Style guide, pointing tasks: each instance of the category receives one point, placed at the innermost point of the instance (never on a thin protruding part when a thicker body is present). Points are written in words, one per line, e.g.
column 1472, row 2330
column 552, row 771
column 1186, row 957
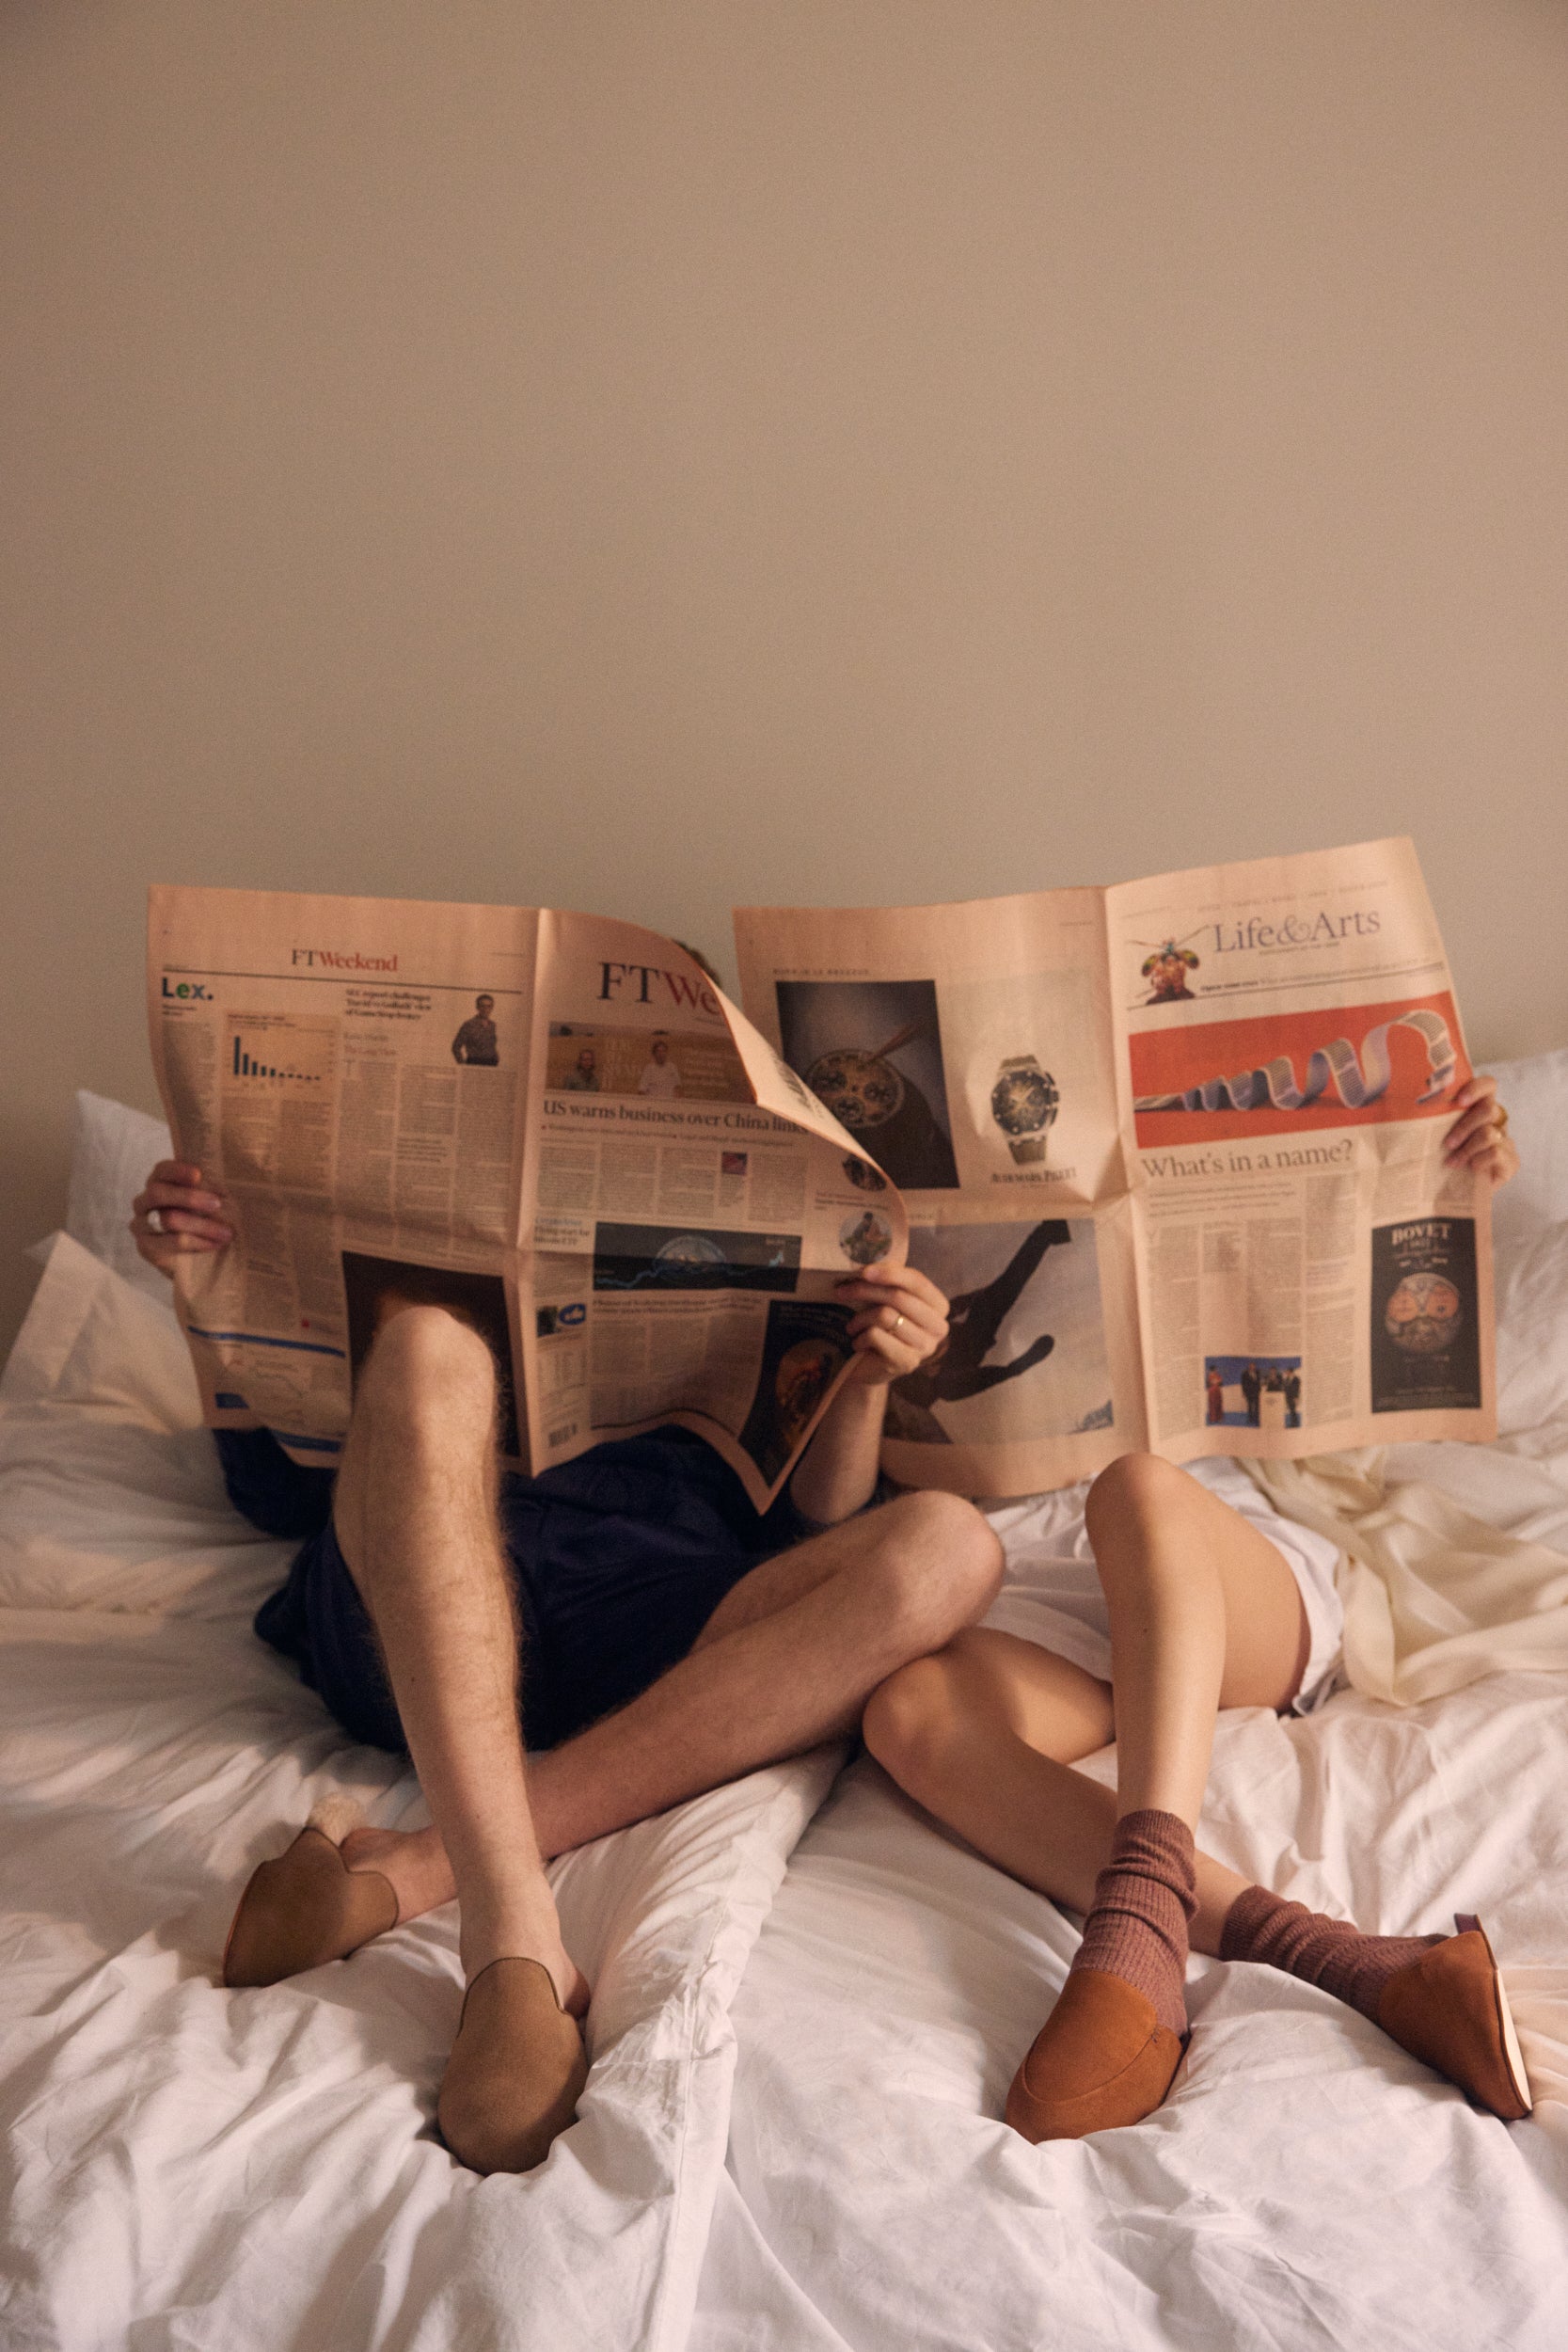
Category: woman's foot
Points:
column 1101, row 2059
column 1440, row 1997
column 1108, row 2051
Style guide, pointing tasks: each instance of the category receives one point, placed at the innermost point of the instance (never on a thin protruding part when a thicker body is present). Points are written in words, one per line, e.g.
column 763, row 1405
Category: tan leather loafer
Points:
column 516, row 2073
column 1449, row 2009
column 303, row 1910
column 1100, row 2060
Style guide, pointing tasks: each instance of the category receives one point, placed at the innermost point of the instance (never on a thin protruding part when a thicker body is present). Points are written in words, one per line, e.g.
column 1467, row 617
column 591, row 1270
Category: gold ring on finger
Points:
column 1500, row 1118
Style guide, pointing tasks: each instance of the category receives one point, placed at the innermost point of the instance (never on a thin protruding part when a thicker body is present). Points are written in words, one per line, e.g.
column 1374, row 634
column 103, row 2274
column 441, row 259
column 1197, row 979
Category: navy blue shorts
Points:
column 618, row 1561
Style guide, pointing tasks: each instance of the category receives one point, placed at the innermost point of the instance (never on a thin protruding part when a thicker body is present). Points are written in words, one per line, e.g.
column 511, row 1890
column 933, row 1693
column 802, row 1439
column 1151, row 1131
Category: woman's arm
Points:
column 174, row 1214
column 1479, row 1138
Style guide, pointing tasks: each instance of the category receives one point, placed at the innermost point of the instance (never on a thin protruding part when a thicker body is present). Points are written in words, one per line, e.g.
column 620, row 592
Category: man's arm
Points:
column 902, row 1324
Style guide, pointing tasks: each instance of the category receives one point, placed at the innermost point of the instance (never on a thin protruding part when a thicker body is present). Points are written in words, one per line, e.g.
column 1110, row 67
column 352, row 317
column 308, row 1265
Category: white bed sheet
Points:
column 1305, row 2183
column 187, row 2168
column 257, row 2171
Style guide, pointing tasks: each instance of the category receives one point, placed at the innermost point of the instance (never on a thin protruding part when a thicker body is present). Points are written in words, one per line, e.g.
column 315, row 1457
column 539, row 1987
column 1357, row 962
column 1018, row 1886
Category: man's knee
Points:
column 429, row 1351
column 427, row 1372
column 940, row 1561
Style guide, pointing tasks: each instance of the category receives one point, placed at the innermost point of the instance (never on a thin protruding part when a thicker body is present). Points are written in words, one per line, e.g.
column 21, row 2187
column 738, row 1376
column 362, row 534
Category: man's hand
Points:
column 174, row 1214
column 902, row 1326
column 1479, row 1138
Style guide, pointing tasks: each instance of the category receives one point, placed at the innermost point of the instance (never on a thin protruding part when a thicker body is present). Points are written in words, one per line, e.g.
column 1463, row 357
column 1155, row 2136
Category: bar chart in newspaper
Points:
column 270, row 1050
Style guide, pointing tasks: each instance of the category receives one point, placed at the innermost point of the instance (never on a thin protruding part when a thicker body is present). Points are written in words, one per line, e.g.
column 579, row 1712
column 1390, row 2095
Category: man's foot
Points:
column 516, row 2070
column 412, row 1861
column 303, row 1910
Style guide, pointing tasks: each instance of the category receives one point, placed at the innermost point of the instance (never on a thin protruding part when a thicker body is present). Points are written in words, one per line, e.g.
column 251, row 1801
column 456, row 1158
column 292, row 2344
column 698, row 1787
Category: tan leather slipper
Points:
column 303, row 1910
column 516, row 2073
column 1101, row 2059
column 1449, row 2009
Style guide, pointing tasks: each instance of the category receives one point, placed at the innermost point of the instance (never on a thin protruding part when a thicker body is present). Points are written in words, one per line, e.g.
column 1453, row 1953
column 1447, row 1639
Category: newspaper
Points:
column 1173, row 1149
column 553, row 1124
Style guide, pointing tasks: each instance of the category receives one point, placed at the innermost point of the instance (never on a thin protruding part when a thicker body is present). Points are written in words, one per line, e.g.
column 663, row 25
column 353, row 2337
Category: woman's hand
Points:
column 174, row 1214
column 1479, row 1138
column 903, row 1324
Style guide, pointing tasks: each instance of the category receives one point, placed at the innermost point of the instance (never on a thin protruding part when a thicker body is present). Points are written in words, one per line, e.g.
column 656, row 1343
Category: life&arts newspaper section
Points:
column 1173, row 1149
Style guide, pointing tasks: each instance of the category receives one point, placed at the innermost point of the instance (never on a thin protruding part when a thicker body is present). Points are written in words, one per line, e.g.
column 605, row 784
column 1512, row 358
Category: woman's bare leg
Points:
column 1204, row 1613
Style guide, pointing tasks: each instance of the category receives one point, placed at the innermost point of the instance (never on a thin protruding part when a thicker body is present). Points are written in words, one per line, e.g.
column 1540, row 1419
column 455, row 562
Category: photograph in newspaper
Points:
column 806, row 1348
column 671, row 1065
column 871, row 1053
column 1425, row 1319
column 1025, row 1357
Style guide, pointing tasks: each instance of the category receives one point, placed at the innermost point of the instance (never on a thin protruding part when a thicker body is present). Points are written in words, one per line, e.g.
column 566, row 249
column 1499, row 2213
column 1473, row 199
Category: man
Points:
column 475, row 1040
column 669, row 1640
column 583, row 1077
column 661, row 1075
column 1252, row 1389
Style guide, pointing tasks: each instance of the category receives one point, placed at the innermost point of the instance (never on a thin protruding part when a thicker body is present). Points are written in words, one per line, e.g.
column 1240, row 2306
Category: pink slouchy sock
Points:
column 1143, row 1900
column 1320, row 1950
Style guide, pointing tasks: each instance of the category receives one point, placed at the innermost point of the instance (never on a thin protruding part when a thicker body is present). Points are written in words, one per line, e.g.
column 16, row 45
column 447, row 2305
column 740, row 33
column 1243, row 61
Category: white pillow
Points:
column 111, row 1497
column 112, row 1148
column 1532, row 1332
column 1536, row 1093
column 92, row 1340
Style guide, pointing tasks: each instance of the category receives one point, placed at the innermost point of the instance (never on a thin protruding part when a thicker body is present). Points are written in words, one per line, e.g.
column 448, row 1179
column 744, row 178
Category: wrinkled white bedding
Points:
column 1305, row 2183
column 188, row 2167
column 257, row 2171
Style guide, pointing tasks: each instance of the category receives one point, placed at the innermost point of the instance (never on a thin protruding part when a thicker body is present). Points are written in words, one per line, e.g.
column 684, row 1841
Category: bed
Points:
column 808, row 2000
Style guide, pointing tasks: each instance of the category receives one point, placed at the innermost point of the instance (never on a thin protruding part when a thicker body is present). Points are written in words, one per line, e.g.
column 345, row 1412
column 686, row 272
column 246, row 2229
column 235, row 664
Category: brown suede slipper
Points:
column 1100, row 2060
column 516, row 2070
column 303, row 1910
column 1449, row 2009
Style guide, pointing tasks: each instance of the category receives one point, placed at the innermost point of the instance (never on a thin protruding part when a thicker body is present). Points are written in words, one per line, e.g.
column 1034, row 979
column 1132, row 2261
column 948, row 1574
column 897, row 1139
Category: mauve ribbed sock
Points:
column 1320, row 1950
column 1143, row 1900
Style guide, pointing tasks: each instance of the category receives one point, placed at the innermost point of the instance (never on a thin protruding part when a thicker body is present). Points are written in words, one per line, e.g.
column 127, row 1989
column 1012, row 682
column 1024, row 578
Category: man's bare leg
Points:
column 415, row 1515
column 1204, row 1613
column 786, row 1660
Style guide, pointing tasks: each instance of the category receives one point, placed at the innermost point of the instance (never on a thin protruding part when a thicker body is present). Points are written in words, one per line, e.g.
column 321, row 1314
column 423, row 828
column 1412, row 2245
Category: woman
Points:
column 1177, row 1603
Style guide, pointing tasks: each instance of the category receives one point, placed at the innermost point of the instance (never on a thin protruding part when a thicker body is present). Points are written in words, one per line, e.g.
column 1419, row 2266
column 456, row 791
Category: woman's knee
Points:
column 1137, row 1492
column 908, row 1718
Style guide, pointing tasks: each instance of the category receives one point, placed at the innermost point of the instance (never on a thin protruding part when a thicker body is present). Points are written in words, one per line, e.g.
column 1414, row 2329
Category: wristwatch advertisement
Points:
column 1023, row 1103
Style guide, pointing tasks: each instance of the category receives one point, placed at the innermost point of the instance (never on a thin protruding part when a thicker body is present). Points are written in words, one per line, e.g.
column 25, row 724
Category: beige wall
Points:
column 649, row 454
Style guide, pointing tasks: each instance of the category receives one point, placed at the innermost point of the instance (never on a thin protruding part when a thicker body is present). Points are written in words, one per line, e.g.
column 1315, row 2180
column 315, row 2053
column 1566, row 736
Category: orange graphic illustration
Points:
column 1336, row 1068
